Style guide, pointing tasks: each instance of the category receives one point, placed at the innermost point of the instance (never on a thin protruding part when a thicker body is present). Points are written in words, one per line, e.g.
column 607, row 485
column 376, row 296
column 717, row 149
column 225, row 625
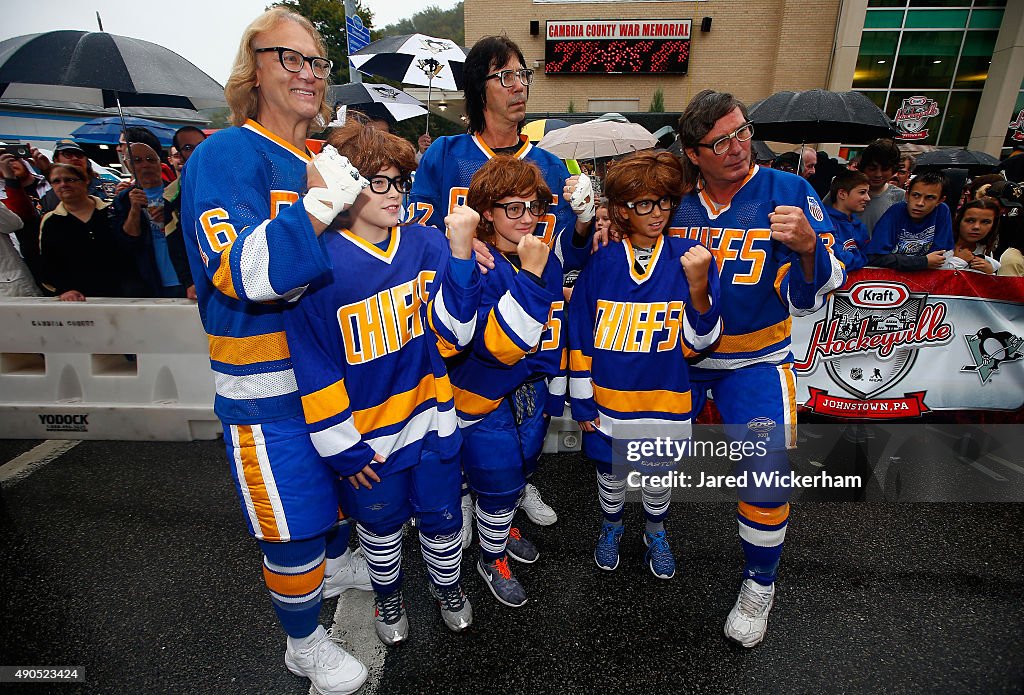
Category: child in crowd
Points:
column 915, row 234
column 977, row 226
column 849, row 196
column 635, row 317
column 367, row 342
column 879, row 162
column 501, row 384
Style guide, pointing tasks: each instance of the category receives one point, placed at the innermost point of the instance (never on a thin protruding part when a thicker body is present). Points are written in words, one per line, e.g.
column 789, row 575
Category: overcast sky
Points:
column 205, row 32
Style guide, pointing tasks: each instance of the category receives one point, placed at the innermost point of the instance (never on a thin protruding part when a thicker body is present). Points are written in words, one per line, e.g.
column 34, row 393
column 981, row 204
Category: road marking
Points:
column 353, row 630
column 978, row 467
column 1000, row 459
column 21, row 467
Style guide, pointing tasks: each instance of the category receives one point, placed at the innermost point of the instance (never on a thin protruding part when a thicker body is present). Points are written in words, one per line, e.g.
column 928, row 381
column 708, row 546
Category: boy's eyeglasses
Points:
column 721, row 145
column 646, row 207
column 508, row 77
column 382, row 184
column 292, row 61
column 517, row 209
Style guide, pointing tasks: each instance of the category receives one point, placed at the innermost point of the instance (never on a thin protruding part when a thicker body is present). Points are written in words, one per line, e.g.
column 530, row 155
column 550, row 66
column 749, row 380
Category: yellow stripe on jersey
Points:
column 446, row 348
column 751, row 342
column 474, row 403
column 325, row 403
column 222, row 276
column 783, row 269
column 499, row 344
column 396, row 409
column 443, row 386
column 579, row 362
column 267, row 347
column 640, row 401
column 254, row 483
column 253, row 125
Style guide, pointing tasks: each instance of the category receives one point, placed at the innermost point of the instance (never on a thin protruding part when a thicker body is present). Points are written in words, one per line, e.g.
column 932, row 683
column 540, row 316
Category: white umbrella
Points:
column 597, row 139
column 376, row 100
column 414, row 59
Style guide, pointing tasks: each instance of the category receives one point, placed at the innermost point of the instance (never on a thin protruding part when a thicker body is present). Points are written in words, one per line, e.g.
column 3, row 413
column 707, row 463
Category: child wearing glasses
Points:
column 367, row 341
column 639, row 309
column 501, row 384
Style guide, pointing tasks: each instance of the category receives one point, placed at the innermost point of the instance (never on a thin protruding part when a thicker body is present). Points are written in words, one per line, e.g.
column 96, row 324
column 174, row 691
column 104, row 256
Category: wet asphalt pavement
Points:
column 130, row 559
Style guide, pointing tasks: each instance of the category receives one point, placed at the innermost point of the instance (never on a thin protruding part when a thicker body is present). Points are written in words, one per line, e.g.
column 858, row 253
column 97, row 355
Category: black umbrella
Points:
column 819, row 115
column 122, row 70
column 376, row 100
column 973, row 161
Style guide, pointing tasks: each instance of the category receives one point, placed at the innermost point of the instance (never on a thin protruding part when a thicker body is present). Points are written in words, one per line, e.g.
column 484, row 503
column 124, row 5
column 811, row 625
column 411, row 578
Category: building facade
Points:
column 962, row 61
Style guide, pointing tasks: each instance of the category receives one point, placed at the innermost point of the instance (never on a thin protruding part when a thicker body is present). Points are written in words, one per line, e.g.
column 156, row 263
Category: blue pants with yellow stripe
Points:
column 757, row 403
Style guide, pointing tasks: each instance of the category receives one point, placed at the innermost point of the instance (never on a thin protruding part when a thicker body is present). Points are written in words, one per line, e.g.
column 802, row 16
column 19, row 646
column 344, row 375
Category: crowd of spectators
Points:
column 67, row 234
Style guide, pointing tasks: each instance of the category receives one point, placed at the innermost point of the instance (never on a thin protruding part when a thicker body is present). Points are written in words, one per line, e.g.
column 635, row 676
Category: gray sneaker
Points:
column 456, row 611
column 390, row 621
column 499, row 579
column 518, row 548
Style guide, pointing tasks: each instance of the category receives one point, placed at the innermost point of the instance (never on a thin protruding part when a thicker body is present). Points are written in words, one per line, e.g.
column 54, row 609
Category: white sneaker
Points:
column 330, row 669
column 748, row 620
column 536, row 510
column 467, row 521
column 352, row 575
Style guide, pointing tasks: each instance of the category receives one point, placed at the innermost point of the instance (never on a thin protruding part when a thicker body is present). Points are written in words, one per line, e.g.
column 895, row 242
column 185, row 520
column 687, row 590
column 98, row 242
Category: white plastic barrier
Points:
column 122, row 369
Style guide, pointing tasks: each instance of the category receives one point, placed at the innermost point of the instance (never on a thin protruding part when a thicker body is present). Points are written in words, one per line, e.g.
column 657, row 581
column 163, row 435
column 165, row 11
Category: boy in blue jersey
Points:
column 501, row 384
column 849, row 196
column 367, row 342
column 634, row 318
column 914, row 234
column 764, row 227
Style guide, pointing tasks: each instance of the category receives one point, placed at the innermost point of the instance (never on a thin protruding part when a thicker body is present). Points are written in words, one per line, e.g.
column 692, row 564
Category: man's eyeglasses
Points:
column 57, row 182
column 721, row 145
column 187, row 148
column 517, row 209
column 382, row 184
column 292, row 61
column 646, row 206
column 508, row 77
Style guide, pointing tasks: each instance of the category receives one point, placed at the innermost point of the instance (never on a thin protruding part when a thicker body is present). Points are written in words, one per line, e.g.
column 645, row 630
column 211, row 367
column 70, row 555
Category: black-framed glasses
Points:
column 517, row 209
column 56, row 182
column 382, row 184
column 721, row 145
column 508, row 77
column 646, row 206
column 292, row 61
column 187, row 148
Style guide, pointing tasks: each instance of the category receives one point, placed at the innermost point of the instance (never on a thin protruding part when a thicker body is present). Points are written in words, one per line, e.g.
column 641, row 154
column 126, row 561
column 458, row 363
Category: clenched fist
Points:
column 579, row 192
column 696, row 262
column 790, row 226
column 461, row 224
column 533, row 253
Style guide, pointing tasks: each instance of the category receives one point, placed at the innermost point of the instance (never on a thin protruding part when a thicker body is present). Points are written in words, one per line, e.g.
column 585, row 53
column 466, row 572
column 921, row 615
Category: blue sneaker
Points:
column 520, row 549
column 502, row 583
column 659, row 556
column 606, row 554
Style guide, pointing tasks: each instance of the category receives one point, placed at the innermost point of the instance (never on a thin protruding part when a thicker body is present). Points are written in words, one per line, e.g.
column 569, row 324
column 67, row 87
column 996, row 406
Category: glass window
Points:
column 1015, row 135
column 874, row 63
column 986, row 19
column 990, row 3
column 956, row 129
column 936, row 19
column 883, row 19
column 887, row 3
column 940, row 3
column 927, row 59
column 878, row 97
column 975, row 59
column 932, row 124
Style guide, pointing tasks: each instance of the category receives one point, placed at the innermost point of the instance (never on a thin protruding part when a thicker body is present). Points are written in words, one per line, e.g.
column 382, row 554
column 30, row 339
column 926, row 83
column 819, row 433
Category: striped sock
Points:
column 294, row 574
column 493, row 528
column 762, row 533
column 443, row 554
column 656, row 501
column 611, row 491
column 383, row 558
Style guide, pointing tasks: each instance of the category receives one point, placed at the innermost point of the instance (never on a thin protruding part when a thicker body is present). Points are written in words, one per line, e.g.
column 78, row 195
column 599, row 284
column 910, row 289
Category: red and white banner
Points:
column 896, row 345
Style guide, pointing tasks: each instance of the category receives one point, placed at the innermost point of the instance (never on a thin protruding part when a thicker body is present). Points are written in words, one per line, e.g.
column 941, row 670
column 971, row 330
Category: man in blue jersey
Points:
column 763, row 227
column 496, row 83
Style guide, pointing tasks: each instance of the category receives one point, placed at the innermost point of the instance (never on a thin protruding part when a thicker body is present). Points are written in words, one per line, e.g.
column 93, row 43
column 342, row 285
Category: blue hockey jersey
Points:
column 519, row 337
column 762, row 283
column 848, row 241
column 442, row 182
column 630, row 335
column 250, row 245
column 365, row 341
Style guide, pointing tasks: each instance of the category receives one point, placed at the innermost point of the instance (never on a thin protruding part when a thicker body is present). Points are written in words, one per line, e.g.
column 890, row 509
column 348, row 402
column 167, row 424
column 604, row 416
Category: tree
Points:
column 657, row 101
column 433, row 21
column 328, row 16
